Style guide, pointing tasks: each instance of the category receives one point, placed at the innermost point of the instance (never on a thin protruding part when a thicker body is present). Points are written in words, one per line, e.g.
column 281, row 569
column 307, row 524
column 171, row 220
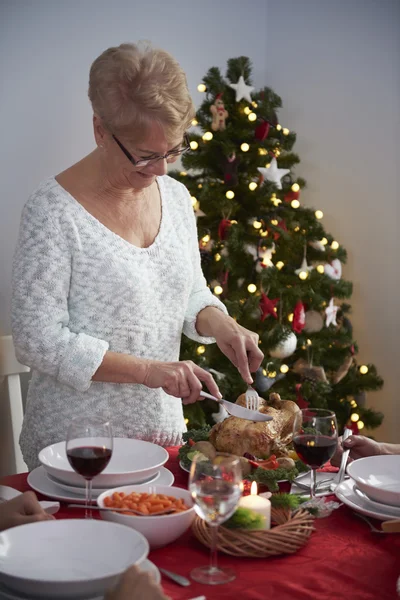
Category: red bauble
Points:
column 223, row 229
column 291, row 196
column 262, row 130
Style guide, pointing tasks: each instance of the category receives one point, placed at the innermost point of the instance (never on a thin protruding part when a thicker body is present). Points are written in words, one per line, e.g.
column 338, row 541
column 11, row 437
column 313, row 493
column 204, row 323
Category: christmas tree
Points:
column 268, row 256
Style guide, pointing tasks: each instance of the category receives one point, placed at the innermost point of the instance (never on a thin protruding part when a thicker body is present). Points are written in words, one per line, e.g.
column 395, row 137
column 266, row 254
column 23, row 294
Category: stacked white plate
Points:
column 67, row 559
column 132, row 462
column 373, row 488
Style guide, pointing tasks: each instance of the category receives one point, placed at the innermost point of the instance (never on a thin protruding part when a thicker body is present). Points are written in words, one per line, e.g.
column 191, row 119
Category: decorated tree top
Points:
column 267, row 255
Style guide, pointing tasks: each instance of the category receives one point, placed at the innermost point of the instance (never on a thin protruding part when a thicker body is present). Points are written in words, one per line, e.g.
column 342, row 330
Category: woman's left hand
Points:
column 239, row 344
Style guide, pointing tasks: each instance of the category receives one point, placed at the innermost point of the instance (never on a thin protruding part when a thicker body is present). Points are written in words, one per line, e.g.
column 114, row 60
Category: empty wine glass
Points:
column 89, row 448
column 216, row 487
column 315, row 438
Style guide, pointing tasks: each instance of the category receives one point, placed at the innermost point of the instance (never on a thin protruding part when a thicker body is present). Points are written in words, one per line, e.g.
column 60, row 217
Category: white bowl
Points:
column 132, row 461
column 68, row 558
column 159, row 530
column 378, row 477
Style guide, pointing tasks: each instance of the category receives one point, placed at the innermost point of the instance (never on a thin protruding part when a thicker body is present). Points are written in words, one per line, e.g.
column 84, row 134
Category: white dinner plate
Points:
column 39, row 482
column 346, row 492
column 182, row 466
column 132, row 461
column 95, row 491
column 146, row 565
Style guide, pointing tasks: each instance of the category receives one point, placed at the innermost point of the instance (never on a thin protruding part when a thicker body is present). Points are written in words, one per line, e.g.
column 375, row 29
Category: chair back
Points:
column 10, row 370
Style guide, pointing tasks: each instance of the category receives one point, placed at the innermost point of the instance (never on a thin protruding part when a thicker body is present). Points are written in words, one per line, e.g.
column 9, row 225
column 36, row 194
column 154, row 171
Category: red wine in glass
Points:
column 89, row 461
column 313, row 450
column 315, row 438
column 89, row 448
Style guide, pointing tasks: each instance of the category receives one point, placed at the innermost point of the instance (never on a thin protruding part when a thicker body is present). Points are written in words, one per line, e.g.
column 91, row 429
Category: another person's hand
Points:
column 240, row 345
column 360, row 447
column 181, row 379
column 136, row 585
column 20, row 510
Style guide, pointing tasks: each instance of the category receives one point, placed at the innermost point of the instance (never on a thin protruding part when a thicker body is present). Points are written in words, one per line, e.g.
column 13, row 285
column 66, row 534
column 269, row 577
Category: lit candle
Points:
column 258, row 504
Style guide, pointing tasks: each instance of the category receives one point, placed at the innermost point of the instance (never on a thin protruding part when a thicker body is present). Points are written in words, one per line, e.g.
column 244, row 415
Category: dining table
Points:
column 343, row 558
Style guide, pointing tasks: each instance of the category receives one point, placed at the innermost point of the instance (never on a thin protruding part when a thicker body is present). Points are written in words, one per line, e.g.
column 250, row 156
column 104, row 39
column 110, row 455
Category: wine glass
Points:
column 216, row 487
column 315, row 438
column 89, row 448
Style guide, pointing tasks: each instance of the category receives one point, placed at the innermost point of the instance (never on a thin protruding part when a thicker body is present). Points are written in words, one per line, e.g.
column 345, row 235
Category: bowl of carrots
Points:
column 159, row 529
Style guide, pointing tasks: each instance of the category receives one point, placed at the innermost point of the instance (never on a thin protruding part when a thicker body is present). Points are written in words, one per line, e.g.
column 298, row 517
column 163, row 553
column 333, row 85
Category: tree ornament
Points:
column 265, row 257
column 304, row 267
column 219, row 114
column 230, row 167
column 301, row 402
column 264, row 383
column 334, row 269
column 262, row 130
column 317, row 245
column 314, row 321
column 307, row 371
column 342, row 370
column 286, row 347
column 331, row 312
column 223, row 229
column 360, row 399
column 353, row 427
column 267, row 307
column 242, row 90
column 290, row 196
column 298, row 317
column 273, row 173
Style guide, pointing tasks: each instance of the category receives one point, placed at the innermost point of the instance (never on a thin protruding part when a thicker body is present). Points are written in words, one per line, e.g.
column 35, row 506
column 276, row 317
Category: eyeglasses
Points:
column 150, row 161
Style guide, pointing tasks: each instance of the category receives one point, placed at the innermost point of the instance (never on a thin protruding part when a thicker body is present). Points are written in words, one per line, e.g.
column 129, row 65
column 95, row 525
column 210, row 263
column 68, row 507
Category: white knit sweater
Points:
column 78, row 290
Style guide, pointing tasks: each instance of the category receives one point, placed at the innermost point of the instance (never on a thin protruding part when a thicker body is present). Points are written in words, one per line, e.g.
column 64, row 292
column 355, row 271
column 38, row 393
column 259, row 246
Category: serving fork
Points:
column 252, row 399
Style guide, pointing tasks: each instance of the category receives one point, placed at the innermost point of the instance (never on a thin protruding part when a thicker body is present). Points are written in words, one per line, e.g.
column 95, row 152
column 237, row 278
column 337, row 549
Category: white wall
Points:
column 335, row 64
column 46, row 48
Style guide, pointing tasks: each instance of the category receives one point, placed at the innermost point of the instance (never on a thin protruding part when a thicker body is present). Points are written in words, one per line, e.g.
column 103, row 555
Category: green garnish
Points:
column 271, row 477
column 197, row 435
column 291, row 501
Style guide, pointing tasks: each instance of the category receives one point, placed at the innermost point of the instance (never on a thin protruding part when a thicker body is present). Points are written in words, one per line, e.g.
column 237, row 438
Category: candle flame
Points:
column 254, row 489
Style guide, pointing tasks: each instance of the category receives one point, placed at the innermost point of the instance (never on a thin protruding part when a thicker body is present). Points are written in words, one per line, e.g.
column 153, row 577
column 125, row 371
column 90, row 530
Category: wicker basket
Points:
column 289, row 534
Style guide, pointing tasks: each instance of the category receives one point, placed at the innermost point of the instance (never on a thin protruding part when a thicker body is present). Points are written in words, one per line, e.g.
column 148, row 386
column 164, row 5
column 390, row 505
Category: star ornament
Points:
column 331, row 312
column 273, row 174
column 267, row 307
column 242, row 90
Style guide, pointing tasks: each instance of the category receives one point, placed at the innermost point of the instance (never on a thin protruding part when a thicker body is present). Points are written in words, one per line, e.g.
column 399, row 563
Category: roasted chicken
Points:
column 237, row 436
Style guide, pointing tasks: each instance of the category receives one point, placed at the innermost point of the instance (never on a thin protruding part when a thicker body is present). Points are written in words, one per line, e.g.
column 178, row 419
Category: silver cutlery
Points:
column 252, row 399
column 179, row 579
column 167, row 511
column 342, row 471
column 371, row 525
column 238, row 411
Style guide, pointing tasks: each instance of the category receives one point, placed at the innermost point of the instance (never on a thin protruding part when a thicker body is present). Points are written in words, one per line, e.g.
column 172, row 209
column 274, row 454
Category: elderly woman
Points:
column 107, row 271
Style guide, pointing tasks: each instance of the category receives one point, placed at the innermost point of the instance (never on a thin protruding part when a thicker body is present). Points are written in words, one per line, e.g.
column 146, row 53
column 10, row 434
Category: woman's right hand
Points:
column 181, row 379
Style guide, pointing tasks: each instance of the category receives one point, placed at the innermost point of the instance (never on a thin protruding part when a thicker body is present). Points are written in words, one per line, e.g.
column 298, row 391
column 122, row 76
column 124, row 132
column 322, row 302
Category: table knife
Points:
column 179, row 579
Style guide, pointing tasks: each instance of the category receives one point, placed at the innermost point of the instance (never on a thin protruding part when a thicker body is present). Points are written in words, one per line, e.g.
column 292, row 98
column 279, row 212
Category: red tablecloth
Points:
column 342, row 559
